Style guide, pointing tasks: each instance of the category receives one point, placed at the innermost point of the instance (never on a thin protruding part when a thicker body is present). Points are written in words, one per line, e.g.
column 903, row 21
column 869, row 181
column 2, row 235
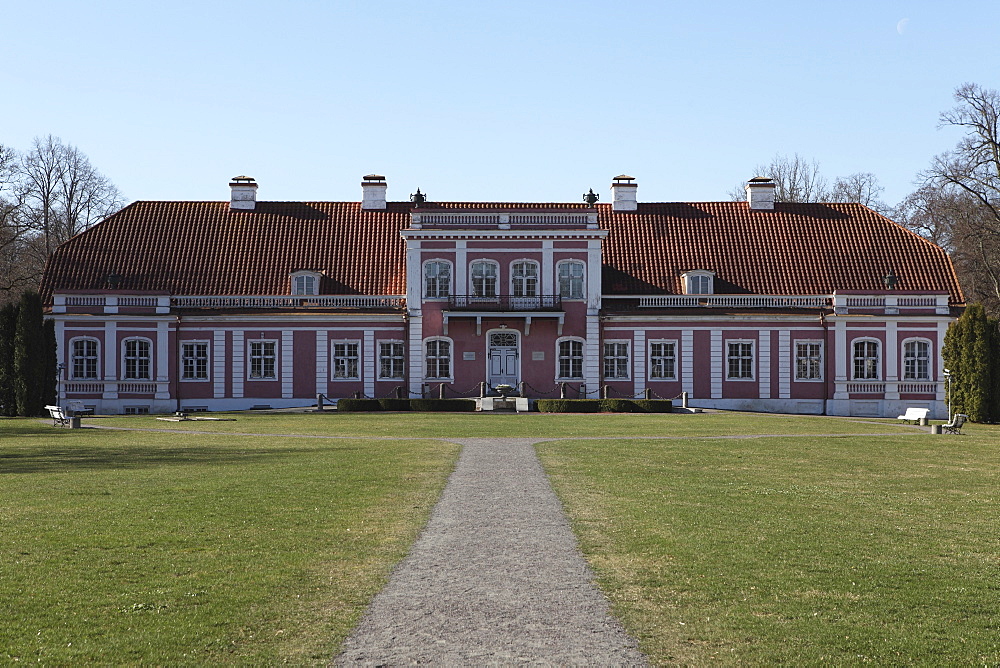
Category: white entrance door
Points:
column 502, row 358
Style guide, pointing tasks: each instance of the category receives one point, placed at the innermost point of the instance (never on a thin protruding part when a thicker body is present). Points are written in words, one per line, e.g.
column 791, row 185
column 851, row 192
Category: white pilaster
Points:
column 219, row 364
column 764, row 363
column 594, row 275
column 548, row 268
column 461, row 269
column 785, row 353
column 111, row 354
column 163, row 359
column 841, row 359
column 687, row 361
column 287, row 364
column 368, row 353
column 639, row 362
column 239, row 364
column 414, row 276
column 718, row 364
column 323, row 361
column 592, row 357
column 416, row 353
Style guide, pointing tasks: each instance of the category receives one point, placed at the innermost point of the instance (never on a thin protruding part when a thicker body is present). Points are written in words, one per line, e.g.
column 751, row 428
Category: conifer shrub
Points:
column 972, row 353
column 8, row 328
column 30, row 365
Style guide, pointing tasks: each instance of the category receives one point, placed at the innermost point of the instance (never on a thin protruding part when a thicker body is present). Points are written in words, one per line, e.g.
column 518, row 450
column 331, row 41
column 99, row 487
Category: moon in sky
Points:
column 901, row 26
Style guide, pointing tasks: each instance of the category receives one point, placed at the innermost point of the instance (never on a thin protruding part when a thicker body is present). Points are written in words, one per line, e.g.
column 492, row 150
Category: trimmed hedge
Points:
column 604, row 405
column 361, row 405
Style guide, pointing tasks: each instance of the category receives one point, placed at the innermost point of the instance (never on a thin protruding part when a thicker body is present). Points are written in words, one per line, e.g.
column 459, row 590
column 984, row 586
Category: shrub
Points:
column 450, row 405
column 604, row 405
column 358, row 405
column 620, row 406
column 568, row 405
column 395, row 404
column 972, row 353
column 655, row 405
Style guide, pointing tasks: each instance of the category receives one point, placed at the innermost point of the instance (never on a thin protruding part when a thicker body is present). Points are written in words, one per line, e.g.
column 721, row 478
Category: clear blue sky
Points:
column 514, row 101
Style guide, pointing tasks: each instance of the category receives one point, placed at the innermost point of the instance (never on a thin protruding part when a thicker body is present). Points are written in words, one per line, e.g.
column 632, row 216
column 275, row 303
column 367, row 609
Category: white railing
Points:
column 83, row 387
column 918, row 388
column 865, row 302
column 84, row 301
column 917, row 301
column 137, row 301
column 294, row 301
column 460, row 219
column 866, row 387
column 581, row 219
column 136, row 388
column 736, row 301
column 549, row 219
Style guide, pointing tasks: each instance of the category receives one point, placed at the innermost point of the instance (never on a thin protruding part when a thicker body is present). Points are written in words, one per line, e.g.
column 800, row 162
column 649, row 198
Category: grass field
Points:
column 794, row 551
column 816, row 540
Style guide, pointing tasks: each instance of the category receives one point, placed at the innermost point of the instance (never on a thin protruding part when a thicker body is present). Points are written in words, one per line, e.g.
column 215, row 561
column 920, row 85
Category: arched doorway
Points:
column 503, row 357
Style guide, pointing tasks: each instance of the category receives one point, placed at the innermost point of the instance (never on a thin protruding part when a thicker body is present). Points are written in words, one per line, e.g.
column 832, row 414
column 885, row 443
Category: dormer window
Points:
column 699, row 282
column 305, row 283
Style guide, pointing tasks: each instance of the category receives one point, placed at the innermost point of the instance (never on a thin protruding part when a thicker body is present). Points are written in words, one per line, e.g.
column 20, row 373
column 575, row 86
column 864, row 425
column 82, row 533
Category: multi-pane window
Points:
column 615, row 359
column 437, row 279
column 263, row 360
column 194, row 361
column 808, row 360
column 699, row 284
column 571, row 359
column 663, row 360
column 916, row 360
column 484, row 278
column 438, row 358
column 571, row 280
column 304, row 284
column 345, row 359
column 740, row 359
column 524, row 279
column 866, row 361
column 390, row 359
column 137, row 360
column 84, row 359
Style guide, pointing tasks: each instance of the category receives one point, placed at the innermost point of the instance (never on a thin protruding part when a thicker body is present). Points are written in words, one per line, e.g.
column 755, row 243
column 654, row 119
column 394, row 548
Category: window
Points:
column 663, row 360
column 616, row 359
column 524, row 278
column 740, row 358
column 808, row 360
column 438, row 358
column 137, row 360
column 866, row 360
column 916, row 360
column 345, row 360
column 484, row 278
column 84, row 359
column 194, row 361
column 699, row 282
column 570, row 358
column 437, row 279
column 571, row 279
column 262, row 360
column 305, row 283
column 390, row 359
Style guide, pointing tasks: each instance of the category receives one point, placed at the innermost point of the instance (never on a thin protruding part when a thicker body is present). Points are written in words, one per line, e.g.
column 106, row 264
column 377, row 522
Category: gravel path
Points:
column 495, row 578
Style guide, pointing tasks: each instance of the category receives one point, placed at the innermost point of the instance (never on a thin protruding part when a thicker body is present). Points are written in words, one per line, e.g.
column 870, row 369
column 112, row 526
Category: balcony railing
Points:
column 291, row 301
column 504, row 303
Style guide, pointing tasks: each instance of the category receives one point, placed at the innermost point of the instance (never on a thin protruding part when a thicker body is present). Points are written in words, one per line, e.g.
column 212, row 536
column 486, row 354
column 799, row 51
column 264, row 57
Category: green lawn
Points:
column 794, row 551
column 818, row 540
column 171, row 549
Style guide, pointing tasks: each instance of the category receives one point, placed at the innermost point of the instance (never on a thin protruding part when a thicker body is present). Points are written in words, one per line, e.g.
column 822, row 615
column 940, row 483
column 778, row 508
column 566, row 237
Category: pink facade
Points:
column 551, row 299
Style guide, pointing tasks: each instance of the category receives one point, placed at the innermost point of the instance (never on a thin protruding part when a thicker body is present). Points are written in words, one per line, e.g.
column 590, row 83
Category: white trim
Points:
column 287, row 355
column 538, row 276
column 795, row 360
column 316, row 277
column 879, row 360
column 497, row 278
column 208, row 360
column 249, row 360
column 677, row 360
column 687, row 361
column 322, row 362
column 628, row 359
column 368, row 357
column 239, row 362
column 489, row 347
column 718, row 360
column 930, row 359
column 785, row 364
column 378, row 355
column 698, row 273
column 150, row 376
column 583, row 360
column 583, row 279
column 69, row 374
column 753, row 359
column 333, row 360
column 764, row 364
column 451, row 359
column 639, row 362
column 219, row 364
column 423, row 278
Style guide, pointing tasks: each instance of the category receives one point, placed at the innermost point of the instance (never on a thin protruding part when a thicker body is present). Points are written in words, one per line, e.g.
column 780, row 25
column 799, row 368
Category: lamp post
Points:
column 947, row 378
column 59, row 373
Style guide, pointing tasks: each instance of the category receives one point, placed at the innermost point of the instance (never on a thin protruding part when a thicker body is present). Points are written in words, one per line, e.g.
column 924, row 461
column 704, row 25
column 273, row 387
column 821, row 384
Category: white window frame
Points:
column 573, row 279
column 514, row 276
column 749, row 360
column 347, row 357
column 582, row 357
column 306, row 289
column 401, row 357
column 208, row 360
column 796, row 357
column 496, row 278
column 929, row 359
column 125, row 357
column 855, row 358
column 652, row 364
column 425, row 279
column 617, row 357
column 450, row 357
column 263, row 357
column 96, row 357
column 699, row 282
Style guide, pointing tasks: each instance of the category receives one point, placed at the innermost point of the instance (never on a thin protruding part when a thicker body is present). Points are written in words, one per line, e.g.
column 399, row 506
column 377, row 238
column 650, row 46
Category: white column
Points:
column 219, row 364
column 111, row 356
column 891, row 360
column 414, row 276
column 718, row 364
column 639, row 362
column 163, row 359
column 461, row 269
column 322, row 362
column 287, row 364
column 687, row 361
column 764, row 363
column 416, row 354
column 548, row 268
column 239, row 364
column 784, row 364
column 592, row 356
column 842, row 358
column 368, row 354
column 594, row 275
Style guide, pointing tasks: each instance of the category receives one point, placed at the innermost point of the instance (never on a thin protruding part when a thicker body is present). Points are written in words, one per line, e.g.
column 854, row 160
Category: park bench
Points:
column 914, row 415
column 59, row 416
column 955, row 426
column 76, row 407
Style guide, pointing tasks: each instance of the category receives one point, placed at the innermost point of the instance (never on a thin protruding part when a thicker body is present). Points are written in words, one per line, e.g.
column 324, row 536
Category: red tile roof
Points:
column 204, row 248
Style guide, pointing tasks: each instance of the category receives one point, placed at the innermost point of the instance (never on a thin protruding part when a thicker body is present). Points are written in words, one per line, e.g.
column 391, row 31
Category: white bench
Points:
column 58, row 415
column 76, row 407
column 956, row 424
column 914, row 414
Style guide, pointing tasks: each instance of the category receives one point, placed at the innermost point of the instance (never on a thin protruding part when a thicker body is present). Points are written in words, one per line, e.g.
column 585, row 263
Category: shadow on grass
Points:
column 55, row 459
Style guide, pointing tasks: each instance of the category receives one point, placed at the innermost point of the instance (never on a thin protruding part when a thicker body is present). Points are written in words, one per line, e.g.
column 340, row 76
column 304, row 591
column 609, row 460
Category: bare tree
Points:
column 795, row 180
column 862, row 187
column 970, row 174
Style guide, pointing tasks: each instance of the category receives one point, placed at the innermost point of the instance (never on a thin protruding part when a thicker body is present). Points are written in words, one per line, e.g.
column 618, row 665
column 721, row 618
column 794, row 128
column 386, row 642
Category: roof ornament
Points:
column 418, row 198
column 114, row 280
column 890, row 280
column 591, row 198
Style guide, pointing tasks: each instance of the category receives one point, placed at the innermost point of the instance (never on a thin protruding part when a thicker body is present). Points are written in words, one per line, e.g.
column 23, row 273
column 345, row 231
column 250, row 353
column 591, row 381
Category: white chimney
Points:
column 243, row 193
column 373, row 189
column 760, row 193
column 623, row 191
